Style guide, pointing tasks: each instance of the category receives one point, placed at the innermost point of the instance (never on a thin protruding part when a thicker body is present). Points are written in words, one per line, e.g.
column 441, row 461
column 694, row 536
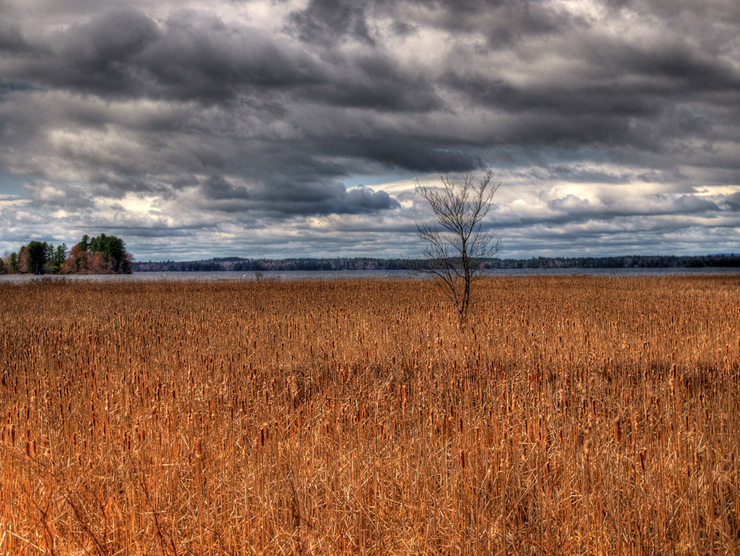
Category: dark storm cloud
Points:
column 687, row 204
column 264, row 110
column 641, row 104
column 578, row 175
column 217, row 188
column 108, row 42
column 562, row 98
column 331, row 199
column 501, row 23
column 124, row 53
column 139, row 232
column 406, row 153
column 211, row 60
column 732, row 202
column 286, row 199
column 326, row 21
column 11, row 39
column 363, row 199
column 375, row 82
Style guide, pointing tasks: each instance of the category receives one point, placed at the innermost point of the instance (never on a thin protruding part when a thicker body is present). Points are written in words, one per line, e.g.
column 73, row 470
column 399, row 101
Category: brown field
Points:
column 575, row 416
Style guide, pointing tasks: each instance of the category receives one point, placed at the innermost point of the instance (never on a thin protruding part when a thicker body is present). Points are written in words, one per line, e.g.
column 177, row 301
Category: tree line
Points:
column 366, row 263
column 624, row 261
column 98, row 255
column 261, row 265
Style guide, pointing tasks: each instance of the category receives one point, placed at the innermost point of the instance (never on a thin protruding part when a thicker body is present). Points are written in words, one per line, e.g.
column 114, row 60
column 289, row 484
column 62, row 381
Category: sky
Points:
column 281, row 128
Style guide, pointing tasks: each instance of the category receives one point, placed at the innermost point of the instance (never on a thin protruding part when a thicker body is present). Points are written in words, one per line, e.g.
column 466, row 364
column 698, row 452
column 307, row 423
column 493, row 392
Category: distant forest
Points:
column 342, row 263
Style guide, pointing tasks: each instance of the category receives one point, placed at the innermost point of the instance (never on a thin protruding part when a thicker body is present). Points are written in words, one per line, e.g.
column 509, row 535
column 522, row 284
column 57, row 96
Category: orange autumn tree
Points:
column 99, row 255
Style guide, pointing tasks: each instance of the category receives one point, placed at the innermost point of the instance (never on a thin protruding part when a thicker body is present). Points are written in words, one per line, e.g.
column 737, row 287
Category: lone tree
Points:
column 457, row 245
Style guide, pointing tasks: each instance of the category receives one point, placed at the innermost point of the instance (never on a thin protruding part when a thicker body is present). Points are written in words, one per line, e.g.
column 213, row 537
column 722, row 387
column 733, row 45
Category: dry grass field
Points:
column 575, row 415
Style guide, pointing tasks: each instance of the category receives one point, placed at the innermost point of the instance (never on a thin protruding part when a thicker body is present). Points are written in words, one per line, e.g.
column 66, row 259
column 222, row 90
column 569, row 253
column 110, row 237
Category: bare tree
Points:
column 457, row 245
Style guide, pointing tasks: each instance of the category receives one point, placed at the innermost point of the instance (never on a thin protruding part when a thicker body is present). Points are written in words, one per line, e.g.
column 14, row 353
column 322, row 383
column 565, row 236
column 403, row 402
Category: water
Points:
column 292, row 275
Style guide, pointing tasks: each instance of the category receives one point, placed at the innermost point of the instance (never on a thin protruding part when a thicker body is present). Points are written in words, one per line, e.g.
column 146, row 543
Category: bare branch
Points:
column 456, row 247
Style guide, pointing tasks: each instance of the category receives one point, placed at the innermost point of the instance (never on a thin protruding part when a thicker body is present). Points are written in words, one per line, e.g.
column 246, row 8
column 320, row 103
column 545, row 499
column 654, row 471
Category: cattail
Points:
column 462, row 459
column 617, row 431
column 199, row 447
column 634, row 425
column 293, row 389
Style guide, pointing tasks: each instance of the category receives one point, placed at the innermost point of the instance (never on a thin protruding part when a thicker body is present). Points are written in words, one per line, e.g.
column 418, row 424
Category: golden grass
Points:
column 575, row 416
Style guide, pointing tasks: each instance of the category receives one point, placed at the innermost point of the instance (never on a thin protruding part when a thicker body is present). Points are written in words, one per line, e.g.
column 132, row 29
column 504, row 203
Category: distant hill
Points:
column 363, row 263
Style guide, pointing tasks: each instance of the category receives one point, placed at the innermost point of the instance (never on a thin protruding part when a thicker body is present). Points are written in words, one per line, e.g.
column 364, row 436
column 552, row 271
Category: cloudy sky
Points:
column 279, row 128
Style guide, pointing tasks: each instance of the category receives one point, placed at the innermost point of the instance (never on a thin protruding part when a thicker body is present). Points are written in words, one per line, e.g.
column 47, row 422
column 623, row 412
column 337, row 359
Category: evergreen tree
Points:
column 12, row 262
column 37, row 257
column 56, row 264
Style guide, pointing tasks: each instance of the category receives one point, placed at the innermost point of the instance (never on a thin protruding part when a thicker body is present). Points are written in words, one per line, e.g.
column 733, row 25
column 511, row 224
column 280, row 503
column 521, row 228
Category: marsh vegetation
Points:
column 574, row 415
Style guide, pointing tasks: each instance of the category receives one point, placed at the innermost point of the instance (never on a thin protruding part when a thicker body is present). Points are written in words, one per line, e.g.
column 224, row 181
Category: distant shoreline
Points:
column 360, row 263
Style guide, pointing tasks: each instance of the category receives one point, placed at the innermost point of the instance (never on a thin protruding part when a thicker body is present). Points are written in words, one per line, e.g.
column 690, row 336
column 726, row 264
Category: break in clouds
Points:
column 281, row 128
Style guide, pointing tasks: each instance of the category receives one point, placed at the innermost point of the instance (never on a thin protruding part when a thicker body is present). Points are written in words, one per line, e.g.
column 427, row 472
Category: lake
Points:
column 288, row 275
